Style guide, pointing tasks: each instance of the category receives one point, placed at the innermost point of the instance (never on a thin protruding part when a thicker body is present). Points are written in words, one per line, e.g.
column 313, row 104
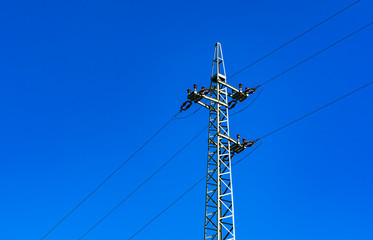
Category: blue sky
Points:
column 85, row 83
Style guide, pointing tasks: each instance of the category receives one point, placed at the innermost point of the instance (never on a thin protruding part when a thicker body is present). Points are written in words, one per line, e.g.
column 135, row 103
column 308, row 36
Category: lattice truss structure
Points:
column 219, row 210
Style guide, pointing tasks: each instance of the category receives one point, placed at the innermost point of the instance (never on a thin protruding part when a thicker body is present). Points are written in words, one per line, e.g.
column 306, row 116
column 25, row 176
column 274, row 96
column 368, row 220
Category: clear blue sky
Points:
column 84, row 83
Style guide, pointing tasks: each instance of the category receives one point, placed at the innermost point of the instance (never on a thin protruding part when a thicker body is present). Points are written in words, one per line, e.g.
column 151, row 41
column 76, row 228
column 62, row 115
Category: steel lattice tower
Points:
column 219, row 211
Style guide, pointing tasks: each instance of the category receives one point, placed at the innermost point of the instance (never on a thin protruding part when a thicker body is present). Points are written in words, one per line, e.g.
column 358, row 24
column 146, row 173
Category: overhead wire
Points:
column 316, row 110
column 296, row 65
column 190, row 114
column 260, row 143
column 300, row 63
column 107, row 178
column 293, row 39
column 183, row 194
column 278, row 75
column 116, row 170
column 169, row 206
column 142, row 184
column 317, row 53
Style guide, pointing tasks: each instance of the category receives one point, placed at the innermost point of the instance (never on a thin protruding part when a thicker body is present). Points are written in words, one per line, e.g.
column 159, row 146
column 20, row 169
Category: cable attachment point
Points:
column 238, row 147
column 197, row 96
column 241, row 95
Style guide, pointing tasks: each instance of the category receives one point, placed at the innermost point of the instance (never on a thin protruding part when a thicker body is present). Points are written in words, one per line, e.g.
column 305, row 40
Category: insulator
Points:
column 186, row 105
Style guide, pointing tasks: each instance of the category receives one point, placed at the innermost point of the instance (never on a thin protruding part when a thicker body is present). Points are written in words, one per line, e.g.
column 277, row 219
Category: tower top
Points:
column 218, row 68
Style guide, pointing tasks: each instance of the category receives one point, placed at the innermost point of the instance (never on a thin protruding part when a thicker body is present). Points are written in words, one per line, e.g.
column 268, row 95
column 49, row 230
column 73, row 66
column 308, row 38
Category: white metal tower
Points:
column 219, row 211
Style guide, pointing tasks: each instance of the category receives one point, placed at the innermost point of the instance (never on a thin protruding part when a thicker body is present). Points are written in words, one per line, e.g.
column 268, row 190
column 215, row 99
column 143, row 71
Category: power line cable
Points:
column 190, row 114
column 106, row 179
column 169, row 206
column 314, row 55
column 289, row 69
column 143, row 183
column 316, row 110
column 182, row 195
column 301, row 62
column 294, row 66
column 88, row 196
column 260, row 143
column 180, row 150
column 292, row 40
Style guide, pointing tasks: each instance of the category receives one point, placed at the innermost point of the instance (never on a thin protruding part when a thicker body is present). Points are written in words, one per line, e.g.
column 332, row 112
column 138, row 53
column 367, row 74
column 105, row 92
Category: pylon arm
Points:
column 206, row 106
column 228, row 138
column 215, row 100
column 229, row 86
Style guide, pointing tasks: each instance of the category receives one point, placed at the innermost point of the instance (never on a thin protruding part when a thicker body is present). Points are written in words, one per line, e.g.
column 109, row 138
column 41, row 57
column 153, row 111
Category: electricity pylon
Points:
column 219, row 210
